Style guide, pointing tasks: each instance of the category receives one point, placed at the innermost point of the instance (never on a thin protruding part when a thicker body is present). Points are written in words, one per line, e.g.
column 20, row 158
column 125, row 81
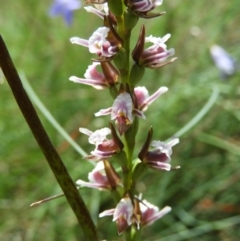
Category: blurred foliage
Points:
column 204, row 193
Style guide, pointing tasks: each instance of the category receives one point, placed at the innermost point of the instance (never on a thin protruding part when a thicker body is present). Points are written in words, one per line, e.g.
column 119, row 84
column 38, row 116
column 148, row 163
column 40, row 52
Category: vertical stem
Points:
column 73, row 197
column 127, row 234
column 125, row 35
column 129, row 166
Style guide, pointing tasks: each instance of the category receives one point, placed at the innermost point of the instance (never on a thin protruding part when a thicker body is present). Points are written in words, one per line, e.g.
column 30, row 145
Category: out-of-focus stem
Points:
column 127, row 234
column 73, row 197
column 212, row 100
column 49, row 116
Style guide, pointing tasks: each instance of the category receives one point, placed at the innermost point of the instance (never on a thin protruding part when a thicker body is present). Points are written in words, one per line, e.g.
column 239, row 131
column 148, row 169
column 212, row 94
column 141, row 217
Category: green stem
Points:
column 128, row 235
column 219, row 142
column 201, row 113
column 125, row 35
column 127, row 49
column 136, row 234
column 127, row 169
column 58, row 168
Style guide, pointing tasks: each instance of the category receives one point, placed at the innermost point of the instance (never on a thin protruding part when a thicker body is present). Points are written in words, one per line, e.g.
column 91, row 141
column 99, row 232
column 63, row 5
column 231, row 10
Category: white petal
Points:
column 107, row 213
column 80, row 41
column 85, row 131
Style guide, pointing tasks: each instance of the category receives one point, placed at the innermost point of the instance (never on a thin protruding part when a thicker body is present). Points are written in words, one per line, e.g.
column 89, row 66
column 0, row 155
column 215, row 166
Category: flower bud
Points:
column 139, row 171
column 138, row 50
column 120, row 61
column 136, row 74
column 130, row 20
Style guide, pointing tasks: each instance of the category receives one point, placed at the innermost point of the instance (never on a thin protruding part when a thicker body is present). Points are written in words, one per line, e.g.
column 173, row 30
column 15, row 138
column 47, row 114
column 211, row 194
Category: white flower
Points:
column 97, row 43
column 122, row 214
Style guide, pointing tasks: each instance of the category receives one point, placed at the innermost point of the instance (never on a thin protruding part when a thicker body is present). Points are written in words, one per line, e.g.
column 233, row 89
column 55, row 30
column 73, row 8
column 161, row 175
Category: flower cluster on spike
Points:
column 118, row 68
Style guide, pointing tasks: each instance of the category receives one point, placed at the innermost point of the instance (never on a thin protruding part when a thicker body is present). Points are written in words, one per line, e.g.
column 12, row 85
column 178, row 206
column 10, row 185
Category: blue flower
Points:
column 64, row 8
column 223, row 61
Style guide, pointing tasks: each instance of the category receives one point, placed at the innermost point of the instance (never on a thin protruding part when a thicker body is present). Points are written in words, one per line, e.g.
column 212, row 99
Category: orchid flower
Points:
column 160, row 155
column 104, row 148
column 122, row 214
column 151, row 213
column 98, row 43
column 156, row 55
column 98, row 80
column 122, row 112
column 97, row 178
column 102, row 177
column 92, row 77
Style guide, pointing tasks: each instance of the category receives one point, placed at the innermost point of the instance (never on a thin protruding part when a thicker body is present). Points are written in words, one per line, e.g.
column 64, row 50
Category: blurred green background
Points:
column 204, row 193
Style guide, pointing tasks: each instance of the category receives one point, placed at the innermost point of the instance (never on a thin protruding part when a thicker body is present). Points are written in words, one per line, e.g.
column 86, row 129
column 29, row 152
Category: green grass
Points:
column 204, row 193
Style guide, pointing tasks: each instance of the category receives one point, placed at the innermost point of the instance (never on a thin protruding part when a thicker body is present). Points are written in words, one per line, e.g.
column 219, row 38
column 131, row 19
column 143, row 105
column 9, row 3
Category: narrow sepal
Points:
column 112, row 175
column 136, row 74
column 137, row 216
column 138, row 50
column 146, row 145
column 115, row 137
column 149, row 15
column 157, row 66
column 110, row 72
column 113, row 35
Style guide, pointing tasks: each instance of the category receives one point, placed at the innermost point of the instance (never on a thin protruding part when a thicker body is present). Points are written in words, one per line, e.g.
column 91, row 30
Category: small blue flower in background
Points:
column 65, row 8
column 223, row 61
